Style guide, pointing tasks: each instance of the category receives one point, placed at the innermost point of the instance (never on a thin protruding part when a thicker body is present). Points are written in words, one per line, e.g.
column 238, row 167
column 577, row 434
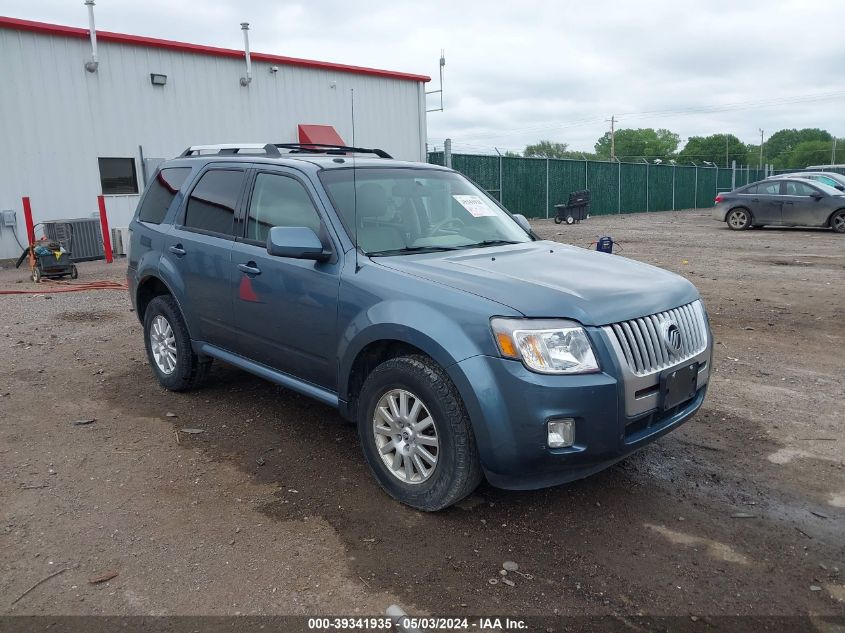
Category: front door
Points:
column 800, row 208
column 197, row 254
column 766, row 205
column 285, row 308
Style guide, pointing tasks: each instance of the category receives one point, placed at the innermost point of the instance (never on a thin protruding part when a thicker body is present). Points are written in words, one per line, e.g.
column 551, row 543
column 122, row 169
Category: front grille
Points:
column 642, row 340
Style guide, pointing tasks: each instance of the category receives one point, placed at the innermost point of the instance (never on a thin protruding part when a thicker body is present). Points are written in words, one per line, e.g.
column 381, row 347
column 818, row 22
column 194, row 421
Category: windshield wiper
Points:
column 412, row 249
column 491, row 243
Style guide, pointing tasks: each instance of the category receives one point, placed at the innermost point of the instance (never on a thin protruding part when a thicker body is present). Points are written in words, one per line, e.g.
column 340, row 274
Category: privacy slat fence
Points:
column 532, row 186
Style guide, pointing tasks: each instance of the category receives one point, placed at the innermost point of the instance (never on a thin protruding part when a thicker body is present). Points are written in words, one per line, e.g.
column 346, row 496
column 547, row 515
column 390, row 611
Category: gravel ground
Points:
column 270, row 510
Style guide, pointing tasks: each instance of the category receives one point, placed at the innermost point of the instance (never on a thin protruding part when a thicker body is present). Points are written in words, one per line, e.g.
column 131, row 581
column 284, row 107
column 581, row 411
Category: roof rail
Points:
column 325, row 148
column 230, row 148
column 272, row 149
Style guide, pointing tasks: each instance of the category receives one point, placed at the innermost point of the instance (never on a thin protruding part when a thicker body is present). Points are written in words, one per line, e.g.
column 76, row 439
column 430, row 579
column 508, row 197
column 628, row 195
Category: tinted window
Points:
column 160, row 194
column 799, row 189
column 211, row 206
column 751, row 189
column 769, row 188
column 279, row 201
column 117, row 175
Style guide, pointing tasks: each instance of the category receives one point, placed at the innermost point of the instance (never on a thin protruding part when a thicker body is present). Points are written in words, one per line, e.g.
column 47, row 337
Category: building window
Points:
column 118, row 176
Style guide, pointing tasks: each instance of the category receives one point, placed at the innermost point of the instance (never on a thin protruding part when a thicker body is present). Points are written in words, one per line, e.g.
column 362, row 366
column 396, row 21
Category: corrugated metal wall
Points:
column 615, row 187
column 56, row 119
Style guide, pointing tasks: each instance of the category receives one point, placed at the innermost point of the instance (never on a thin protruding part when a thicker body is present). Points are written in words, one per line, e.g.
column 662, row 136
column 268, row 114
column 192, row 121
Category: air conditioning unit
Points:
column 120, row 240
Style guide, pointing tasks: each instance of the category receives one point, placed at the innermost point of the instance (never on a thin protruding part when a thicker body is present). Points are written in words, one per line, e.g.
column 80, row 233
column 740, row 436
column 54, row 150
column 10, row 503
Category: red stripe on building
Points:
column 199, row 49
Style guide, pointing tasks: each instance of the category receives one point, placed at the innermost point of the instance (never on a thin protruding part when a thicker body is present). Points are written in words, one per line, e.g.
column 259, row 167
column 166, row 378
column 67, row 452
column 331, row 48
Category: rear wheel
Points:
column 168, row 346
column 837, row 221
column 558, row 220
column 416, row 434
column 569, row 219
column 36, row 275
column 739, row 219
column 74, row 273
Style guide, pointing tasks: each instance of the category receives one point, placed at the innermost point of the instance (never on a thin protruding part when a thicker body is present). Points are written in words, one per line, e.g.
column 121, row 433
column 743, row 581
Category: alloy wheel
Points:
column 163, row 344
column 406, row 436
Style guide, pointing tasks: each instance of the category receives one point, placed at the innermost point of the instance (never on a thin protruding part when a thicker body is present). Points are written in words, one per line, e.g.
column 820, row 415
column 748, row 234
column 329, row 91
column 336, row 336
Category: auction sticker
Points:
column 475, row 205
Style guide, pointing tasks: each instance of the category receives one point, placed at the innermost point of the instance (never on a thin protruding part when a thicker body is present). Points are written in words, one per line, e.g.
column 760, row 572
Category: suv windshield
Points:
column 402, row 210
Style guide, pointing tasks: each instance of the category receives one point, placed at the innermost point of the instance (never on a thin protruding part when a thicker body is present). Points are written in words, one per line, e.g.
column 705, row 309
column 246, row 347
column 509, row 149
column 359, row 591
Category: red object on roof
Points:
column 152, row 42
column 322, row 134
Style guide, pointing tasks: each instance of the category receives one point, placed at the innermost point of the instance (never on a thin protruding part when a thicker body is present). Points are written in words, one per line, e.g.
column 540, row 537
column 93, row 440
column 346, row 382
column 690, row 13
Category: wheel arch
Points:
column 149, row 288
column 366, row 360
column 830, row 217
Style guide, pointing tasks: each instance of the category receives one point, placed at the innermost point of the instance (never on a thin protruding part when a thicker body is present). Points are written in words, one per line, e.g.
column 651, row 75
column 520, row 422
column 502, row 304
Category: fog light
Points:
column 561, row 433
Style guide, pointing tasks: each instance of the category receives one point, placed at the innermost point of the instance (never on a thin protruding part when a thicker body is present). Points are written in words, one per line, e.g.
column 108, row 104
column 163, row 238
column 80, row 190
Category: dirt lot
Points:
column 270, row 510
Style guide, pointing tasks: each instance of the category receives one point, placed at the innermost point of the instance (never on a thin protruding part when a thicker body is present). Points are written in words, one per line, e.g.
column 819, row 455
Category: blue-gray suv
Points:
column 462, row 346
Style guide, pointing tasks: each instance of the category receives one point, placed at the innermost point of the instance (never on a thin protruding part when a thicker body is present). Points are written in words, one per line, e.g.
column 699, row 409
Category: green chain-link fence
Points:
column 533, row 186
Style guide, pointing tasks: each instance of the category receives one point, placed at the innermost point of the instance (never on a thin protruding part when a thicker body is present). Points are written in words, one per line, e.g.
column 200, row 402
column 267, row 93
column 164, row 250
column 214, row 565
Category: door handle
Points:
column 250, row 268
column 755, row 200
column 788, row 202
column 177, row 250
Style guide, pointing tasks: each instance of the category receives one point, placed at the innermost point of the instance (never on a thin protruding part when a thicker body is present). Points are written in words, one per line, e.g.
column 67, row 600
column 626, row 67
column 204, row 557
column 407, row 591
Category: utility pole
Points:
column 726, row 151
column 833, row 153
column 612, row 136
column 761, row 148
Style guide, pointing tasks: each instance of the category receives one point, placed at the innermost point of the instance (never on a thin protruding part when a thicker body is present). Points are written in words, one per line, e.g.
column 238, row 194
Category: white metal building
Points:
column 68, row 134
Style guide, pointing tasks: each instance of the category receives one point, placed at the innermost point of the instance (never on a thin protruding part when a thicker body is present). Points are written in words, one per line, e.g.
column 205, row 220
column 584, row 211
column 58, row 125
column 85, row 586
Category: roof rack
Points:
column 272, row 149
column 231, row 148
column 325, row 148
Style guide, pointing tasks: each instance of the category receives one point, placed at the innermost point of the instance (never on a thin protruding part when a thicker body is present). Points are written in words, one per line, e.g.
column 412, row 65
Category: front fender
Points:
column 437, row 333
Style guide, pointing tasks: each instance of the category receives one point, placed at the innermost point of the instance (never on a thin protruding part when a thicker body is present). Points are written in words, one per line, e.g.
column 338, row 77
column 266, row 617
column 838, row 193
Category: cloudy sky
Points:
column 517, row 72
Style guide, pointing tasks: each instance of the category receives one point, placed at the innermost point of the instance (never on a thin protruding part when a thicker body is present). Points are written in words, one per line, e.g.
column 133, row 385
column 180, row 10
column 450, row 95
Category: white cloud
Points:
column 520, row 71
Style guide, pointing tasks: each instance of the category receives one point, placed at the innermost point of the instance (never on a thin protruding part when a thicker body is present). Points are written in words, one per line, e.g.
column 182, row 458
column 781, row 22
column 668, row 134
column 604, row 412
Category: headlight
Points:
column 546, row 346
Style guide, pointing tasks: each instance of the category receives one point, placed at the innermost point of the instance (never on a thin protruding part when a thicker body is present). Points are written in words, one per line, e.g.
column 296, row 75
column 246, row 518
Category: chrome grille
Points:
column 642, row 341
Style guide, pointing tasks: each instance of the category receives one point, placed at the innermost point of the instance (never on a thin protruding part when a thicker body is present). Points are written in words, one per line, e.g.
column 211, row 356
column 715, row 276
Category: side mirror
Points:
column 816, row 195
column 298, row 242
column 522, row 221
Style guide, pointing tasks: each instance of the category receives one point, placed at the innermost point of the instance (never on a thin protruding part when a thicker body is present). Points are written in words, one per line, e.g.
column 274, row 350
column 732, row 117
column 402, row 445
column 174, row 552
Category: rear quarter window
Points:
column 160, row 194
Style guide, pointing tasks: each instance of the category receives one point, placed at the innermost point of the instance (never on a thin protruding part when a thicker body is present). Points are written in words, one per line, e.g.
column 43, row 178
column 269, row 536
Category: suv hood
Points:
column 549, row 279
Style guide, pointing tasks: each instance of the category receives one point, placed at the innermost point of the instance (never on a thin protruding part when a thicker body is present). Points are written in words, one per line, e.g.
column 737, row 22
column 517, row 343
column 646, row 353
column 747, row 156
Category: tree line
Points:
column 785, row 149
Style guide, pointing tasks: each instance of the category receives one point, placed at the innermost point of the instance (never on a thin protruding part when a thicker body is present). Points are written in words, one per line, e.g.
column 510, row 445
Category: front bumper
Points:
column 510, row 406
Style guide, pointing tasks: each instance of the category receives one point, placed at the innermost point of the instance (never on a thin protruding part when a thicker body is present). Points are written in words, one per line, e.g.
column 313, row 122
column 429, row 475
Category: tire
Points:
column 738, row 219
column 165, row 329
column 457, row 469
column 558, row 220
column 570, row 219
column 36, row 275
column 837, row 221
column 74, row 273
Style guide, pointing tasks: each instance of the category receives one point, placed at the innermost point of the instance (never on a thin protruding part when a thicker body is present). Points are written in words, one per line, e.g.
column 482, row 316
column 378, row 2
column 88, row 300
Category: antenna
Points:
column 354, row 181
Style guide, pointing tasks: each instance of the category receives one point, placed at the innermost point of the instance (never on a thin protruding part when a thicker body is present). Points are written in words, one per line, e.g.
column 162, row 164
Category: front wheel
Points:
column 168, row 346
column 837, row 221
column 739, row 219
column 416, row 434
column 36, row 275
column 558, row 220
column 74, row 273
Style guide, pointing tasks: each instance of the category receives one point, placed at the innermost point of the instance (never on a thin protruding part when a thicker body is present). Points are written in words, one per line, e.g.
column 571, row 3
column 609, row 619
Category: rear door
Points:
column 800, row 208
column 766, row 204
column 197, row 257
column 285, row 308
